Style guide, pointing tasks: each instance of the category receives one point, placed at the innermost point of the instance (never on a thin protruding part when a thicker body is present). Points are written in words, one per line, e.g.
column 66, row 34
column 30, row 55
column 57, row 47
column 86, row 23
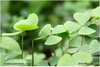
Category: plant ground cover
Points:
column 72, row 43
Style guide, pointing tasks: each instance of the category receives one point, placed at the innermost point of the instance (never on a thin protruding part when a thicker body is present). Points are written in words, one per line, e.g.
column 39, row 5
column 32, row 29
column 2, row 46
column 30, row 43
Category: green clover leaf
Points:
column 27, row 24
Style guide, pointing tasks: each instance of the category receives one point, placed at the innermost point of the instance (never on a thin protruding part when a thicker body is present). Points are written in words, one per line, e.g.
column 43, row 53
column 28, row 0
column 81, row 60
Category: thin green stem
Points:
column 32, row 52
column 62, row 48
column 22, row 43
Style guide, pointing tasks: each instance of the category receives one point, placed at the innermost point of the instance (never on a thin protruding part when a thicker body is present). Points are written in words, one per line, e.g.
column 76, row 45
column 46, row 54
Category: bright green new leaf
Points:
column 46, row 30
column 10, row 44
column 96, row 11
column 82, row 18
column 16, row 62
column 11, row 34
column 82, row 57
column 66, row 60
column 53, row 39
column 53, row 60
column 58, row 29
column 86, row 31
column 71, row 26
column 27, row 24
column 94, row 46
column 33, row 19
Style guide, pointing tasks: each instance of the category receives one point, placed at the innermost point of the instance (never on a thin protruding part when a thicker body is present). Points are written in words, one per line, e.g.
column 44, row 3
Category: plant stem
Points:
column 62, row 48
column 32, row 52
column 22, row 43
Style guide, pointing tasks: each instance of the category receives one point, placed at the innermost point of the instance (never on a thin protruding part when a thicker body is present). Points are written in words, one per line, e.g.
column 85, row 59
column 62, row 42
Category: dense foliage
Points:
column 52, row 33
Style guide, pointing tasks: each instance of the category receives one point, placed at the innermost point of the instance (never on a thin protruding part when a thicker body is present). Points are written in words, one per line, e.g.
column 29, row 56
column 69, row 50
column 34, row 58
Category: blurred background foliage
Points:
column 53, row 12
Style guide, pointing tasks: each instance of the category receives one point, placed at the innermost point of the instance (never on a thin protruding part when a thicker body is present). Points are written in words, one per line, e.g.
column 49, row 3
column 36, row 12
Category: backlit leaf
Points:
column 27, row 24
column 33, row 19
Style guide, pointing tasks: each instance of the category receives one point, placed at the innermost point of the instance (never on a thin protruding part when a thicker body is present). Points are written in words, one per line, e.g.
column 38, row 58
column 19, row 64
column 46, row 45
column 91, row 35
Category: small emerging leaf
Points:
column 24, row 26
